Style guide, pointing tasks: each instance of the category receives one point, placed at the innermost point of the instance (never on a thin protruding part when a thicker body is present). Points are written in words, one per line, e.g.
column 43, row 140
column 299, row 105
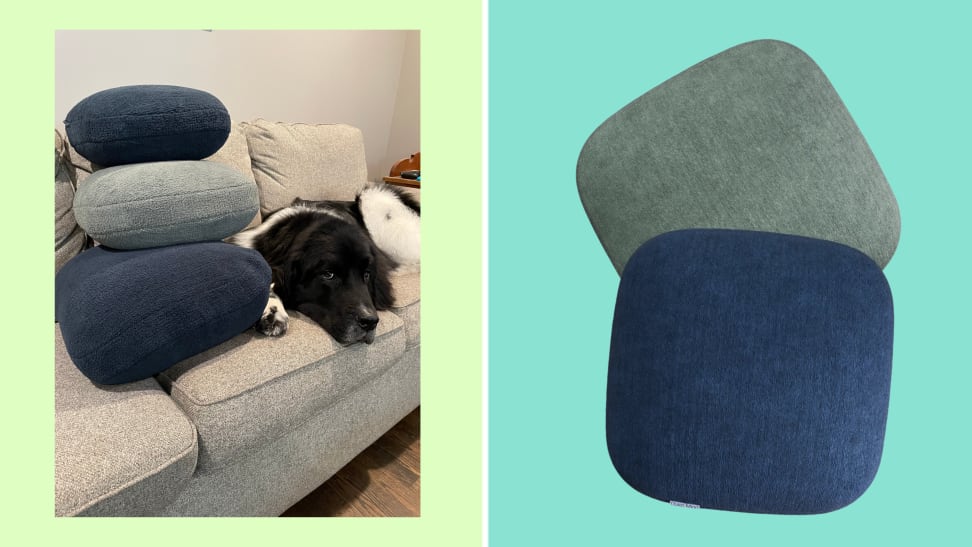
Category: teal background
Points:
column 555, row 73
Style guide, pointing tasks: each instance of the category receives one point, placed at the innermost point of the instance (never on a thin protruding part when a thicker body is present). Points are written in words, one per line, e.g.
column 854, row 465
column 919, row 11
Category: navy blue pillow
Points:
column 145, row 123
column 127, row 315
column 749, row 371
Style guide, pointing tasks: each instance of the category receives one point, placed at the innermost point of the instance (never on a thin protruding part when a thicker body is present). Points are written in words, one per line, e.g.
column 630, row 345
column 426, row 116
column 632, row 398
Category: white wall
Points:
column 404, row 137
column 369, row 79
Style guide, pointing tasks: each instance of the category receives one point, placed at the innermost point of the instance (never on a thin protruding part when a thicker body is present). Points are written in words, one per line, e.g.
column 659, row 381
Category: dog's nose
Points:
column 368, row 322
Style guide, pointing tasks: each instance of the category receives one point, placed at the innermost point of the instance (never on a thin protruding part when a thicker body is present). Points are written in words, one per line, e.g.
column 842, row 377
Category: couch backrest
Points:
column 313, row 162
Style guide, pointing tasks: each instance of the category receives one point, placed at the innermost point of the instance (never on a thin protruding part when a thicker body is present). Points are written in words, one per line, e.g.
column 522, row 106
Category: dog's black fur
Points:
column 326, row 266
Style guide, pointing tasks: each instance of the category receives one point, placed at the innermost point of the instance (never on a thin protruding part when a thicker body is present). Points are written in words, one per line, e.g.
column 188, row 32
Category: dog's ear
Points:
column 353, row 208
column 382, row 293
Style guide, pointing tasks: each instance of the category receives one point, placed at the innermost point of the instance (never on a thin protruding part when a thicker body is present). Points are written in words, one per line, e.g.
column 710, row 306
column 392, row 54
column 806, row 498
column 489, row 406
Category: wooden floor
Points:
column 382, row 481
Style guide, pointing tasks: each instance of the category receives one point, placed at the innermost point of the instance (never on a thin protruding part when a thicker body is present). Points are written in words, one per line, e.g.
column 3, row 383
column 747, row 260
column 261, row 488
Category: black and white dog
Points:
column 331, row 259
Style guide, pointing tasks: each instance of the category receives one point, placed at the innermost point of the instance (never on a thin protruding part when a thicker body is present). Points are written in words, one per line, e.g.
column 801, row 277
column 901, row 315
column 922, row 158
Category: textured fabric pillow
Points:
column 69, row 240
column 754, row 138
column 314, row 162
column 144, row 123
column 164, row 203
column 126, row 315
column 749, row 371
column 236, row 154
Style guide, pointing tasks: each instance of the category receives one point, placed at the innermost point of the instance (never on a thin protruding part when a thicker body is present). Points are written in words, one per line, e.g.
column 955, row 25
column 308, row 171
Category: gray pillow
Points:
column 754, row 138
column 164, row 203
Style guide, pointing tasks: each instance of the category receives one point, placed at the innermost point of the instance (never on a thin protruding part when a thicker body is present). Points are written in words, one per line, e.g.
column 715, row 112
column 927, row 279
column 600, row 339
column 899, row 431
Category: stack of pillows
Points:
column 750, row 360
column 161, row 286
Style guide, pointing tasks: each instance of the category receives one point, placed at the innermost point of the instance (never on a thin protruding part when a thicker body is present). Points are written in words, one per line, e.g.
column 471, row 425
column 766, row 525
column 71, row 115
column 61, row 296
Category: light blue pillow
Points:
column 165, row 203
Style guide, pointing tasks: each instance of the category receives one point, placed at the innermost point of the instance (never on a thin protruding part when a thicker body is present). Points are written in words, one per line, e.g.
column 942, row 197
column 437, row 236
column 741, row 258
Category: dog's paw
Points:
column 274, row 320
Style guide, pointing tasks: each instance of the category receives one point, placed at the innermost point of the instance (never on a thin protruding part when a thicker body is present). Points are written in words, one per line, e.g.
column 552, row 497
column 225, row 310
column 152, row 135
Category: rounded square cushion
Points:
column 143, row 123
column 309, row 161
column 126, row 315
column 754, row 138
column 749, row 371
column 165, row 203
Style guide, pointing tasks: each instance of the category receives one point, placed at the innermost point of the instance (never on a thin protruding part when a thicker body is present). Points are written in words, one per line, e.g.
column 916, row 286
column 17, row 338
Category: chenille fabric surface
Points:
column 236, row 154
column 119, row 450
column 266, row 479
column 309, row 161
column 749, row 371
column 126, row 315
column 754, row 138
column 245, row 392
column 146, row 123
column 165, row 203
column 408, row 305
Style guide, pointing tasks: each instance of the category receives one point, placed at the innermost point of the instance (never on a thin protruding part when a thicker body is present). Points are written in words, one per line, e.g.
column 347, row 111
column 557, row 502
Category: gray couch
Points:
column 253, row 425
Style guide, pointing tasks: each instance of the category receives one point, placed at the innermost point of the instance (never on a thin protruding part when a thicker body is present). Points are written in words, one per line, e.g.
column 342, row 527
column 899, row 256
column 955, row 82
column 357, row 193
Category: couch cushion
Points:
column 749, row 371
column 271, row 477
column 254, row 388
column 126, row 315
column 236, row 154
column 408, row 305
column 118, row 450
column 753, row 138
column 314, row 162
column 69, row 240
column 165, row 203
column 145, row 123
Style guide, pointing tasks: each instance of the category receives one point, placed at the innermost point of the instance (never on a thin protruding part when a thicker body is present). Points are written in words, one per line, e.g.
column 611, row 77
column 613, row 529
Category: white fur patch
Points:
column 274, row 320
column 394, row 227
column 245, row 239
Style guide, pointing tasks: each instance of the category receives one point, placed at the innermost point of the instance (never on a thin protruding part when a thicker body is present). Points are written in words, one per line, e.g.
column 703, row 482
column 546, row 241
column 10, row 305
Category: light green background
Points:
column 451, row 352
column 556, row 72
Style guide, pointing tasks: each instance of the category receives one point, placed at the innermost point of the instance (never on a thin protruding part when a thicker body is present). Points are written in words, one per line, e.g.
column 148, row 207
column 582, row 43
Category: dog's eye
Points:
column 367, row 276
column 327, row 275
